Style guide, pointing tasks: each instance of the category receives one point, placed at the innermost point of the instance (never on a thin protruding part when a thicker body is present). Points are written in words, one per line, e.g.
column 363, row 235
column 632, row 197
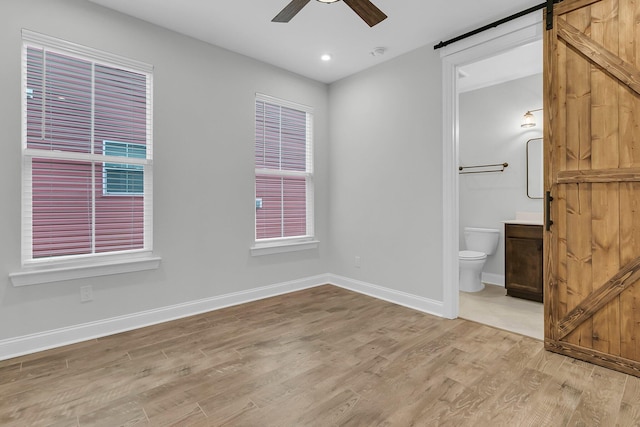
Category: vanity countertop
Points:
column 526, row 218
column 524, row 221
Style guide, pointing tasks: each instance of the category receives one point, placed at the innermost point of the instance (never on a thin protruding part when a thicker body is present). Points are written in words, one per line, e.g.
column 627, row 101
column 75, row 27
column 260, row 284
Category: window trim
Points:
column 44, row 270
column 282, row 245
column 295, row 243
column 75, row 269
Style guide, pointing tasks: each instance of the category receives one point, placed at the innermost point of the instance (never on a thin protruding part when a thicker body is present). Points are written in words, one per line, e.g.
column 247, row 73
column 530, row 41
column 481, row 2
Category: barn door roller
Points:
column 550, row 4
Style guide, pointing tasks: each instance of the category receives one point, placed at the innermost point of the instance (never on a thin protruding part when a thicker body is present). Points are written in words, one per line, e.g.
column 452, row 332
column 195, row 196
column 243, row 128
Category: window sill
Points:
column 35, row 276
column 279, row 247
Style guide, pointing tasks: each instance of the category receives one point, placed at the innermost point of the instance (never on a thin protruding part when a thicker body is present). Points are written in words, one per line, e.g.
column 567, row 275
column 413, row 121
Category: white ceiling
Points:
column 510, row 65
column 245, row 27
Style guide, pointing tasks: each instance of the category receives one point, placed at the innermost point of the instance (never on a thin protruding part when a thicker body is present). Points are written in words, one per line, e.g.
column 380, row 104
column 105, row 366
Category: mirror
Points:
column 534, row 168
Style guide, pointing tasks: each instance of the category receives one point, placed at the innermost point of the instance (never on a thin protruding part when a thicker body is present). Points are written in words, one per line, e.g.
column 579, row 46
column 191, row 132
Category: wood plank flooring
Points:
column 319, row 357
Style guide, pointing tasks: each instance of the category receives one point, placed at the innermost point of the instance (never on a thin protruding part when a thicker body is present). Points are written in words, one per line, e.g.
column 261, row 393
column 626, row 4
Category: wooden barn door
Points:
column 592, row 158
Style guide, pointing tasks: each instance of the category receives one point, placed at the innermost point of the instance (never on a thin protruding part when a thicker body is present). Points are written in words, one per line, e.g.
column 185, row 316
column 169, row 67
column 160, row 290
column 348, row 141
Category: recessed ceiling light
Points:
column 327, row 1
column 326, row 57
column 378, row 51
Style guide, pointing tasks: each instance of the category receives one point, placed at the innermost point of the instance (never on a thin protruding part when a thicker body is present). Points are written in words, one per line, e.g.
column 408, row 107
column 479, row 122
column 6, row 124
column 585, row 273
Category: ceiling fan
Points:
column 364, row 8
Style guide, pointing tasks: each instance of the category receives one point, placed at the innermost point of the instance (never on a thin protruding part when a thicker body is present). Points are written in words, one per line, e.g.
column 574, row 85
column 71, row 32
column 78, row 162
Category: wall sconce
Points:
column 529, row 120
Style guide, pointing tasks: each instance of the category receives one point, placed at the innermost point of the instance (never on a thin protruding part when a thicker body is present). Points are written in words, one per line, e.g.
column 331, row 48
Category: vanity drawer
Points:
column 523, row 231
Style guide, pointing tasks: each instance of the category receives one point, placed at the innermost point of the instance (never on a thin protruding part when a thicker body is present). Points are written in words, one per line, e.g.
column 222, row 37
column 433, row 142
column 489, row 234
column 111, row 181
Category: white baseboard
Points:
column 27, row 344
column 415, row 302
column 493, row 279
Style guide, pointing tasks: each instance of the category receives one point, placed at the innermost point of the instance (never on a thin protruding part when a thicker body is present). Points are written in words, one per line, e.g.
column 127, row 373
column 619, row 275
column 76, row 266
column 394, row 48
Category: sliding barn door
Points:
column 592, row 158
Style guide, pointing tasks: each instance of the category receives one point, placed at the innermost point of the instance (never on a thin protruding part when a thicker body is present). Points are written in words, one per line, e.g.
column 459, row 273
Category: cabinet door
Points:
column 524, row 267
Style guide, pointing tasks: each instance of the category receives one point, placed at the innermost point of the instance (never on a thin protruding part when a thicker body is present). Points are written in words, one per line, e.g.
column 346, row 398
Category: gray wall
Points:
column 490, row 132
column 386, row 175
column 378, row 172
column 203, row 177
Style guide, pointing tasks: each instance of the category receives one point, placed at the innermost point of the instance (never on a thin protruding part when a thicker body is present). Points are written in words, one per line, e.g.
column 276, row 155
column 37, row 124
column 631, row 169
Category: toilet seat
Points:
column 472, row 255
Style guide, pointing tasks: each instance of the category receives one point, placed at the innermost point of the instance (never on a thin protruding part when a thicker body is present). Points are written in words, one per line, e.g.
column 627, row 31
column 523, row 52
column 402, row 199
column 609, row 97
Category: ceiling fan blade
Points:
column 290, row 10
column 367, row 11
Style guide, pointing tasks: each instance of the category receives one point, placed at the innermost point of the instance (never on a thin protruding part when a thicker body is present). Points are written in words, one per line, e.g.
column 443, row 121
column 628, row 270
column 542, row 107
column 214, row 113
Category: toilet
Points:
column 480, row 242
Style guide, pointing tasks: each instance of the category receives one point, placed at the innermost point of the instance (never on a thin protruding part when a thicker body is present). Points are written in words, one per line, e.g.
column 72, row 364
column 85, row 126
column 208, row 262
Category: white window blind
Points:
column 283, row 170
column 87, row 152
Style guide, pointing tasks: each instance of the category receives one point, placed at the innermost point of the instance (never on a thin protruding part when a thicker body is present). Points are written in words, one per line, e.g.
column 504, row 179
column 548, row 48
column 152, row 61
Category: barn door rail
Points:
column 547, row 4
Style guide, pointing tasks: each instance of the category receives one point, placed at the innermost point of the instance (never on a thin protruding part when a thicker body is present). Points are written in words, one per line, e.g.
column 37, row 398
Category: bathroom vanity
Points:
column 523, row 259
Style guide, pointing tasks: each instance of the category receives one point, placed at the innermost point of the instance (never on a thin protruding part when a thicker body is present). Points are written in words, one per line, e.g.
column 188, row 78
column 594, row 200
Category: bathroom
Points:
column 494, row 95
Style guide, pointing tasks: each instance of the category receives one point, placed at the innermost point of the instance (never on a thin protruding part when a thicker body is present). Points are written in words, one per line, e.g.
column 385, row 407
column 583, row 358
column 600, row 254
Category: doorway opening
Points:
column 493, row 96
column 457, row 60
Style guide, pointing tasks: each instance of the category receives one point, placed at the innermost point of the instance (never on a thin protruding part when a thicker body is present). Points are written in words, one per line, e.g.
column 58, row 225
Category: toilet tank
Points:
column 481, row 239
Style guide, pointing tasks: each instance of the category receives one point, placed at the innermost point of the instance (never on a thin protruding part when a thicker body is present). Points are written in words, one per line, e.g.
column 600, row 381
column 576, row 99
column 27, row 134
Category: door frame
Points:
column 510, row 35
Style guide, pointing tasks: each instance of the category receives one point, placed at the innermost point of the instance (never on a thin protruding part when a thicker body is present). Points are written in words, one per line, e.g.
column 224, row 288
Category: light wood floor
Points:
column 319, row 357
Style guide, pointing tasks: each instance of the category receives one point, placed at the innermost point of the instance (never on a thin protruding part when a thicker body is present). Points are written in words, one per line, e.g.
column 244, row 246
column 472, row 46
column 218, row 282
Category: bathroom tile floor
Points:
column 491, row 306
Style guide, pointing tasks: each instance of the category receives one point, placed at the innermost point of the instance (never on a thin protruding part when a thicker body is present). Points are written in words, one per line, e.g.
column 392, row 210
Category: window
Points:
column 283, row 171
column 122, row 178
column 87, row 158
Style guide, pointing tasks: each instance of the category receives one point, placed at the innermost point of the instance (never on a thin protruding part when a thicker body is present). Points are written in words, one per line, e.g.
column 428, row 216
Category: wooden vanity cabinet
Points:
column 523, row 261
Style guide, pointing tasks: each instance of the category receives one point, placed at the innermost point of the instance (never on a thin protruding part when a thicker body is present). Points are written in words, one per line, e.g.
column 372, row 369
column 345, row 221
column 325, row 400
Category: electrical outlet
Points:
column 86, row 293
column 357, row 262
